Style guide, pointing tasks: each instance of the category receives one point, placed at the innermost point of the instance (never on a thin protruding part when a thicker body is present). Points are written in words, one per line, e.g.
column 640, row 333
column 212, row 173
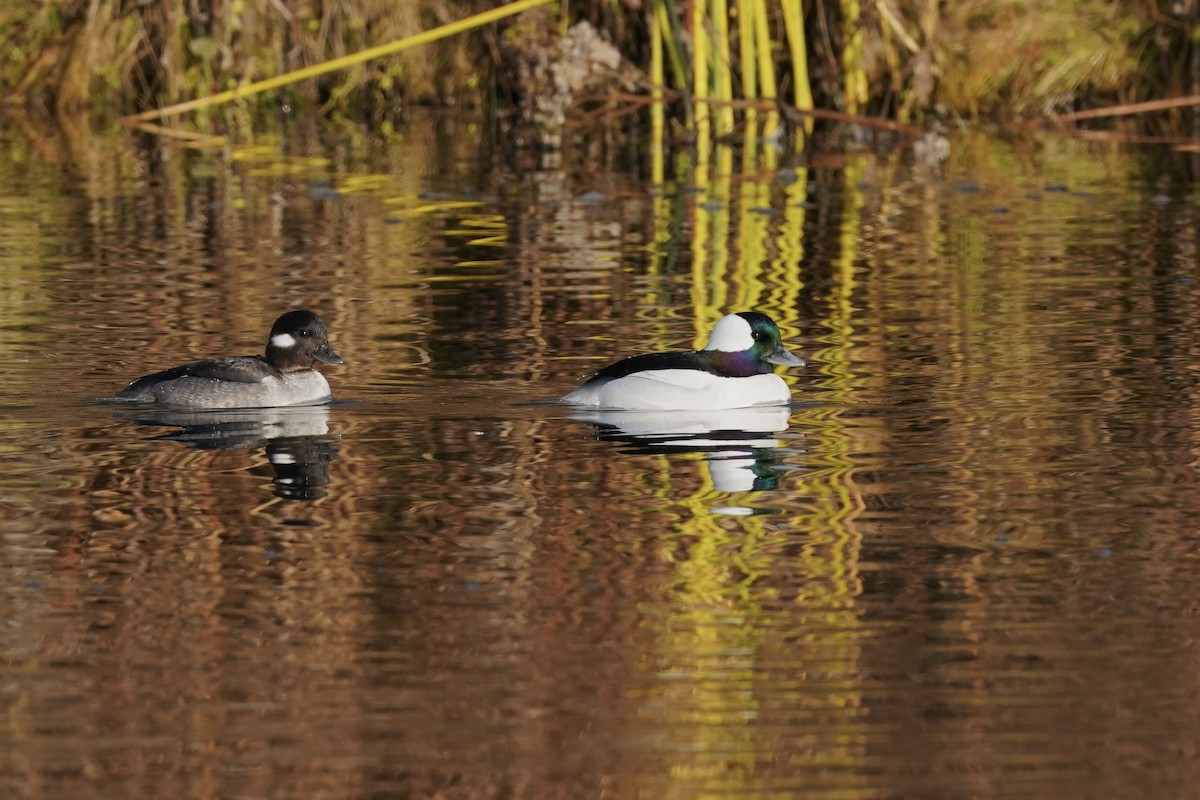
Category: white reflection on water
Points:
column 736, row 443
column 234, row 429
column 295, row 440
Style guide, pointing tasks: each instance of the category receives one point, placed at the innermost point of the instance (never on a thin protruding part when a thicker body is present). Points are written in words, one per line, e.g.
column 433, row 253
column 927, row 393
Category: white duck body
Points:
column 734, row 370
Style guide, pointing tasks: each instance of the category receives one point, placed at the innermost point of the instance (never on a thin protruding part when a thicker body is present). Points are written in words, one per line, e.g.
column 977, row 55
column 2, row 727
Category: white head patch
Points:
column 283, row 340
column 731, row 334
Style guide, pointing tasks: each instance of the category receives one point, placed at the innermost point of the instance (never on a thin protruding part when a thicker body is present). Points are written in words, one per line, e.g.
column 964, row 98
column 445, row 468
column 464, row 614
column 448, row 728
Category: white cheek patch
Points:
column 732, row 334
column 283, row 340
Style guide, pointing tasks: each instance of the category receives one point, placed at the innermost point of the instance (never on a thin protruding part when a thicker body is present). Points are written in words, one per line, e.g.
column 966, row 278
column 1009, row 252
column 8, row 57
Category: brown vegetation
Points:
column 905, row 60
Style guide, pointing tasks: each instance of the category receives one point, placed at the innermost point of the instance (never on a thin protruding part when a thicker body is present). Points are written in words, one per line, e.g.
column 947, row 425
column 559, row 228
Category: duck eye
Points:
column 306, row 332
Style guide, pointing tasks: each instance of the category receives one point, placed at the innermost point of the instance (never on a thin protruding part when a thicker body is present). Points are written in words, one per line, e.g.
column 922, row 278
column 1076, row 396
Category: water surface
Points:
column 961, row 565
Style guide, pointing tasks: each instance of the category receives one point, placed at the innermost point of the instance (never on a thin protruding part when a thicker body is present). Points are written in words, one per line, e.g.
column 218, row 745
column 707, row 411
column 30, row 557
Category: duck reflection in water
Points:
column 737, row 443
column 296, row 440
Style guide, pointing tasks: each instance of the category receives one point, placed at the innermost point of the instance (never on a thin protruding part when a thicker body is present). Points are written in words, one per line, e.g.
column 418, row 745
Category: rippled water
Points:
column 962, row 565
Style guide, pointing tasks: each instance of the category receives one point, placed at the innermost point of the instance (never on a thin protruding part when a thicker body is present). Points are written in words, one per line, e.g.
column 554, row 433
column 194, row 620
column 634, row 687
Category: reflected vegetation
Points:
column 962, row 563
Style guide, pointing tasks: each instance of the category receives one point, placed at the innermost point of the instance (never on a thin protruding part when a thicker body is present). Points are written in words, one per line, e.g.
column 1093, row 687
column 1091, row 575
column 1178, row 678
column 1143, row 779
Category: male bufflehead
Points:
column 734, row 370
column 284, row 377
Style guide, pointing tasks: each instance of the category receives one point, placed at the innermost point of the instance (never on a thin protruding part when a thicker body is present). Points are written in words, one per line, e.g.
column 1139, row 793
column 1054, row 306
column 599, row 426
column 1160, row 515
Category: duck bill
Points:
column 785, row 359
column 326, row 356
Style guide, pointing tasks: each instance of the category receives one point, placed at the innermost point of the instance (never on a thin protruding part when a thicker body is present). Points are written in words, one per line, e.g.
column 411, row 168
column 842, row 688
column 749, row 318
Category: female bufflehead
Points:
column 284, row 377
column 732, row 371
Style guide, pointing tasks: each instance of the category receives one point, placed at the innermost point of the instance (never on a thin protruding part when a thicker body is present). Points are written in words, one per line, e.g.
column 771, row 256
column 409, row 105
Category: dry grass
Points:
column 120, row 57
column 904, row 59
column 1001, row 55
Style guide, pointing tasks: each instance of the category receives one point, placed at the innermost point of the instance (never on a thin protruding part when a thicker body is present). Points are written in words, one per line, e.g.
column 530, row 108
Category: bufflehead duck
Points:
column 284, row 377
column 734, row 370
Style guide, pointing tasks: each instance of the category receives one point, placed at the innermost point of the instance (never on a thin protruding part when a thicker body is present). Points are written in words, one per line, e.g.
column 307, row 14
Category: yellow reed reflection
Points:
column 747, row 250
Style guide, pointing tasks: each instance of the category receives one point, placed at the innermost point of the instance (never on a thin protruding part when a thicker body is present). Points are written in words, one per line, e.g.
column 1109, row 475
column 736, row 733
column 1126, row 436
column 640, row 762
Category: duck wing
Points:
column 650, row 363
column 234, row 369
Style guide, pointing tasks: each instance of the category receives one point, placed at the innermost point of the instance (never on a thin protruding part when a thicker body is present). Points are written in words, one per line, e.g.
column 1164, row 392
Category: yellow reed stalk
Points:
column 700, row 48
column 192, row 138
column 722, row 79
column 746, row 10
column 766, row 67
column 749, row 62
column 656, row 97
column 854, row 74
column 425, row 37
column 793, row 23
column 748, row 50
